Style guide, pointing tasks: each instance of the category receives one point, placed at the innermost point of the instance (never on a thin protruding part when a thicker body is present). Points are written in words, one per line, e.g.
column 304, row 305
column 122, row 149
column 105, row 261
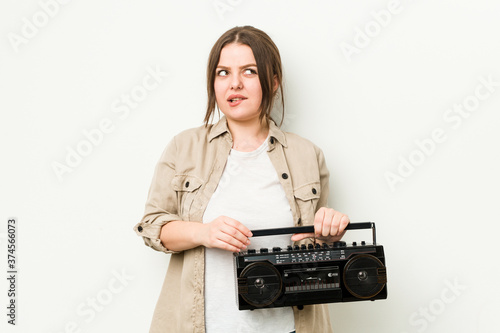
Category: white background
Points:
column 438, row 223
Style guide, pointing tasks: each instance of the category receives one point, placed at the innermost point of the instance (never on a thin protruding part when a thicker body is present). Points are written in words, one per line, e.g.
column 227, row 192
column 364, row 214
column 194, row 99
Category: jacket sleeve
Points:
column 161, row 205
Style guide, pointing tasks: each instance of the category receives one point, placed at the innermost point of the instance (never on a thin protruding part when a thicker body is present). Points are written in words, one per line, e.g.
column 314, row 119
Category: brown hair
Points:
column 268, row 61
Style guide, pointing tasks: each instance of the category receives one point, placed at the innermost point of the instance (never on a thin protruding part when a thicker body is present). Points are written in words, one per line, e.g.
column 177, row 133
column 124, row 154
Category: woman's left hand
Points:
column 329, row 226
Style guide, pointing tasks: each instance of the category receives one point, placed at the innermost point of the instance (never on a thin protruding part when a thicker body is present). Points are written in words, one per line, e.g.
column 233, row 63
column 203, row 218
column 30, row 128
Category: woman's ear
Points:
column 276, row 84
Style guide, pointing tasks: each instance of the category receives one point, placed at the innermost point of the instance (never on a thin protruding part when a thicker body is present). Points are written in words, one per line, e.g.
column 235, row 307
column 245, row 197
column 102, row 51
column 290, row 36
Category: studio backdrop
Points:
column 402, row 96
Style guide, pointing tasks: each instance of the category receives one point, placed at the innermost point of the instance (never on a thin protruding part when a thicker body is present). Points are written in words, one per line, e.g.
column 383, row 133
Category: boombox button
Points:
column 310, row 246
column 251, row 251
column 354, row 243
column 363, row 243
column 277, row 249
column 263, row 250
column 339, row 244
column 289, row 248
column 296, row 248
column 303, row 246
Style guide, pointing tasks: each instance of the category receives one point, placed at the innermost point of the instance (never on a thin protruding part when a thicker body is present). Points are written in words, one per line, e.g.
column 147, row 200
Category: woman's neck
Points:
column 248, row 136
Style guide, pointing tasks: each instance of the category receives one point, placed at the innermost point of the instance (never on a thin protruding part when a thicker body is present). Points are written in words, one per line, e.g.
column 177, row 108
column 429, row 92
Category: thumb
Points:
column 298, row 237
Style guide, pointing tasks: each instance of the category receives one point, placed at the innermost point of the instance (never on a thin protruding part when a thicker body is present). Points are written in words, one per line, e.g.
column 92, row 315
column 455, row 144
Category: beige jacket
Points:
column 184, row 180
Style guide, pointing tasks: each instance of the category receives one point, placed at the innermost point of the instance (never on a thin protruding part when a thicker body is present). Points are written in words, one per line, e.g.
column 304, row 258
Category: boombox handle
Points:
column 310, row 228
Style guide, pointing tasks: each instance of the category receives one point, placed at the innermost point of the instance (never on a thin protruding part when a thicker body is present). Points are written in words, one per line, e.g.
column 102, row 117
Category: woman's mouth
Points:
column 235, row 100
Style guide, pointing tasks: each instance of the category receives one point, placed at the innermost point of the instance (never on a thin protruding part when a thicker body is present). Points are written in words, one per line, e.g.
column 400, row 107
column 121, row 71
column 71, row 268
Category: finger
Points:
column 238, row 225
column 318, row 221
column 235, row 233
column 298, row 237
column 334, row 230
column 327, row 223
column 344, row 221
column 230, row 240
column 226, row 246
column 235, row 237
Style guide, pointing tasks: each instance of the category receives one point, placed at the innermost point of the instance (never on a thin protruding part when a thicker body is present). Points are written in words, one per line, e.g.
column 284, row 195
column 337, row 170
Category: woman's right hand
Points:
column 225, row 233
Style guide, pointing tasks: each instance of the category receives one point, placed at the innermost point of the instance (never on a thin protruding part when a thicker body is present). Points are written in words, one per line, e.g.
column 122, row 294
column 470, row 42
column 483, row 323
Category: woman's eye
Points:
column 222, row 72
column 250, row 71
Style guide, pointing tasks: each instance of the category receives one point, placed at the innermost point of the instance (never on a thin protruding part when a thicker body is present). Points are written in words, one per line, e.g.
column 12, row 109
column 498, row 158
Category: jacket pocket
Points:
column 306, row 199
column 186, row 187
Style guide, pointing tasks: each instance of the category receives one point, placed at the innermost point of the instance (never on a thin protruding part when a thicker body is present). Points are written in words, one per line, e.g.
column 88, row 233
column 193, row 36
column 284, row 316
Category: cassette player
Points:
column 312, row 274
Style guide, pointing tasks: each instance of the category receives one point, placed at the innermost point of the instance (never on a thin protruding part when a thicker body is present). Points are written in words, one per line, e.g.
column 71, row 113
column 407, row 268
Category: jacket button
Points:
column 314, row 191
column 187, row 184
column 299, row 221
column 285, row 176
column 139, row 228
column 272, row 140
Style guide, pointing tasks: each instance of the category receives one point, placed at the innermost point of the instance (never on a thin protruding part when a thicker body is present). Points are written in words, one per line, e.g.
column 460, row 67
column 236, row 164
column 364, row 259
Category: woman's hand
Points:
column 329, row 226
column 225, row 233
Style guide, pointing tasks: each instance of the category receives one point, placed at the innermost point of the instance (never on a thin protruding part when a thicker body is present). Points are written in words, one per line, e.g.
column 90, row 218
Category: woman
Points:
column 239, row 174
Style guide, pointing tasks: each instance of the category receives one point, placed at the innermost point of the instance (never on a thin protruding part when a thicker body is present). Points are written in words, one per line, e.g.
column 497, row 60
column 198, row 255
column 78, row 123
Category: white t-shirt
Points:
column 249, row 191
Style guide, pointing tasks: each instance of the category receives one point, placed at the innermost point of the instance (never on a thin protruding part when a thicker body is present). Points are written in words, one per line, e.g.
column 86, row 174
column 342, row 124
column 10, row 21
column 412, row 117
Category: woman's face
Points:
column 237, row 86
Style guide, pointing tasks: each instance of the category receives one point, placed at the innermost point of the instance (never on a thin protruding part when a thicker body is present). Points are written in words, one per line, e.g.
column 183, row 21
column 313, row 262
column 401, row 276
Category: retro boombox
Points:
column 312, row 274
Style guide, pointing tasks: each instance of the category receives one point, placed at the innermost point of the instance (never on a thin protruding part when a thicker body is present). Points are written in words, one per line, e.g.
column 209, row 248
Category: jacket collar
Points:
column 221, row 127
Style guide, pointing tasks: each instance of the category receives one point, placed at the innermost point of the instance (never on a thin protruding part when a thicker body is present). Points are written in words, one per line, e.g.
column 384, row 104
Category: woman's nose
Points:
column 236, row 82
